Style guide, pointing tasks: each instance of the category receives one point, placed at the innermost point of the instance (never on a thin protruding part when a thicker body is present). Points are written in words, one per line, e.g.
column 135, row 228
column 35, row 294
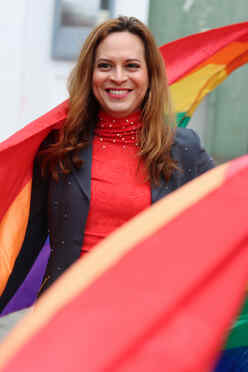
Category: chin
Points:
column 119, row 112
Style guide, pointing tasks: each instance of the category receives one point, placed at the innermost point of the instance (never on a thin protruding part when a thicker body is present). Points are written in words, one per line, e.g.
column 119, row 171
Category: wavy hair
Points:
column 156, row 136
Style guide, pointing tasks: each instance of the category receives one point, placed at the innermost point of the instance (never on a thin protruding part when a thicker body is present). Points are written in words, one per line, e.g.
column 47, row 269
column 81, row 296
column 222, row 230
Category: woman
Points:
column 115, row 155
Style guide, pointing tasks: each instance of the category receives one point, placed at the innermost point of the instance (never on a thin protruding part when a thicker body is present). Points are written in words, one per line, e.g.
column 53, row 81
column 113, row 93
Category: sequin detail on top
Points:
column 123, row 130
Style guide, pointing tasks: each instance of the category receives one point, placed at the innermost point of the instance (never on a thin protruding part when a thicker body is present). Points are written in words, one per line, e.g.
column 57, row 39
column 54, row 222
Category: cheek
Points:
column 96, row 84
column 98, row 79
column 143, row 83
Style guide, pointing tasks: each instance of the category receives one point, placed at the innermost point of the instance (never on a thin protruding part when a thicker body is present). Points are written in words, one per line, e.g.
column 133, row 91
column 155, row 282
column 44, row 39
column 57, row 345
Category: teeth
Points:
column 117, row 92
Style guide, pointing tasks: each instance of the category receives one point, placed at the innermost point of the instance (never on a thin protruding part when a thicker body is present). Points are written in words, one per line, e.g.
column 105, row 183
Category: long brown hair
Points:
column 156, row 136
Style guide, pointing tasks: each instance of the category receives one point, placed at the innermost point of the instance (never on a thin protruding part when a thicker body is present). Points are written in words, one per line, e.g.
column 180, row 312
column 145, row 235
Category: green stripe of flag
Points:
column 182, row 119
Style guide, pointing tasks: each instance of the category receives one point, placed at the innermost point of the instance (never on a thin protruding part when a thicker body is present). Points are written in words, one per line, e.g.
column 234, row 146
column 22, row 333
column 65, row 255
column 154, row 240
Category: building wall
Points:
column 221, row 119
column 31, row 82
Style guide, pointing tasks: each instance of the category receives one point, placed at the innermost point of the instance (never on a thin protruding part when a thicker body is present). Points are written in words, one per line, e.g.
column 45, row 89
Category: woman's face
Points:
column 120, row 76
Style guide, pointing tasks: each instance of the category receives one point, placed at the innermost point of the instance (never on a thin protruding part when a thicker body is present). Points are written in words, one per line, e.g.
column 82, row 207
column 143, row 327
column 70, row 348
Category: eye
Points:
column 104, row 66
column 133, row 66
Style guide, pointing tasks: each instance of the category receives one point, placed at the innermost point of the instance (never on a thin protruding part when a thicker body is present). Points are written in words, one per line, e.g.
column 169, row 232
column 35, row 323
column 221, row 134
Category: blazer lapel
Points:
column 83, row 175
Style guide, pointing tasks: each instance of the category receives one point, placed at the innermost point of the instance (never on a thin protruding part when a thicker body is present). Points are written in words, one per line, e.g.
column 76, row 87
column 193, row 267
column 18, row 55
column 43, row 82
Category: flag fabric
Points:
column 203, row 62
column 26, row 294
column 148, row 298
column 197, row 64
column 17, row 154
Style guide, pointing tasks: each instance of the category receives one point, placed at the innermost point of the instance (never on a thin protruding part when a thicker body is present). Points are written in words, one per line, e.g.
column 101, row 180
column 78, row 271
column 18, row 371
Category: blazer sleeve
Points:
column 204, row 161
column 192, row 159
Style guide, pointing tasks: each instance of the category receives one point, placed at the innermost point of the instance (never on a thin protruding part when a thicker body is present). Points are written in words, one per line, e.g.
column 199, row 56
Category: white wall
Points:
column 135, row 8
column 11, row 41
column 31, row 82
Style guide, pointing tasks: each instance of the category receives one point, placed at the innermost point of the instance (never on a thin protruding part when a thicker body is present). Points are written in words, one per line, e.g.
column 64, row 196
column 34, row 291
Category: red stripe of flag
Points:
column 183, row 55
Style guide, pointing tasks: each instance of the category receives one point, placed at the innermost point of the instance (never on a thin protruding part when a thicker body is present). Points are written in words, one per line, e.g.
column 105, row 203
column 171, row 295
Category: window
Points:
column 73, row 21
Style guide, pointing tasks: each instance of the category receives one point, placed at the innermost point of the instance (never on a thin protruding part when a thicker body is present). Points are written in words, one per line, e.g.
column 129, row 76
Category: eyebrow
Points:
column 110, row 60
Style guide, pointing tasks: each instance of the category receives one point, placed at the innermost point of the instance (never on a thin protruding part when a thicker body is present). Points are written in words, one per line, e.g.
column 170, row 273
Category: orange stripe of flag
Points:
column 12, row 232
column 226, row 56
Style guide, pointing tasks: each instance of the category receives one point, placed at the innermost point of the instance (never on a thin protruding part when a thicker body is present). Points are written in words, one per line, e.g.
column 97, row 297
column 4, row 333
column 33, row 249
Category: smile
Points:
column 118, row 93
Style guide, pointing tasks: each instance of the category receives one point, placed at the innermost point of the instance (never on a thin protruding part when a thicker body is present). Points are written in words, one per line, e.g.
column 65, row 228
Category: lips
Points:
column 118, row 93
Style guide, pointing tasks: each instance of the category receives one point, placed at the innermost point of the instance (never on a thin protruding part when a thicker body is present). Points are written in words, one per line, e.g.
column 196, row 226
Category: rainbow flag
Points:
column 17, row 154
column 204, row 60
column 148, row 298
column 197, row 64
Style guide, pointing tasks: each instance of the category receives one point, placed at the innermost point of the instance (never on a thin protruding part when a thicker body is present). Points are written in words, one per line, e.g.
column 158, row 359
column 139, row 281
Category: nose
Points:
column 118, row 75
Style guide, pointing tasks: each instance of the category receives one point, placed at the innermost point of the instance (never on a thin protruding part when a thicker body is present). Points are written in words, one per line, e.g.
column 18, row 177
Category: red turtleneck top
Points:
column 118, row 188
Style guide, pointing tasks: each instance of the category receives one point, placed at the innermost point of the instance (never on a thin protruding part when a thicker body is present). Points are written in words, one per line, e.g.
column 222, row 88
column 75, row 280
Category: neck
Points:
column 118, row 130
column 135, row 116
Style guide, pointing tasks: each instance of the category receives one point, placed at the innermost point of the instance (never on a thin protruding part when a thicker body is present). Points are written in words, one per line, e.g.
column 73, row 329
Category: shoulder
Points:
column 189, row 153
column 186, row 137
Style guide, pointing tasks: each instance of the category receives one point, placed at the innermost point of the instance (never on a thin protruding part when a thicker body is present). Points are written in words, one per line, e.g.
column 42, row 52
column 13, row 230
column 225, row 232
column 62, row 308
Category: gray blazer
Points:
column 60, row 209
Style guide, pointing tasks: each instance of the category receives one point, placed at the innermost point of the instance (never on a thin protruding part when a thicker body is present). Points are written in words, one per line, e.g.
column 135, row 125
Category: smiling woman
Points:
column 120, row 77
column 115, row 154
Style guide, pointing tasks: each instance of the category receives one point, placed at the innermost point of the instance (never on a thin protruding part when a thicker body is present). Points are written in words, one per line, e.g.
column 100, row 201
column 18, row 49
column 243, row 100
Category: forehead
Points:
column 122, row 45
